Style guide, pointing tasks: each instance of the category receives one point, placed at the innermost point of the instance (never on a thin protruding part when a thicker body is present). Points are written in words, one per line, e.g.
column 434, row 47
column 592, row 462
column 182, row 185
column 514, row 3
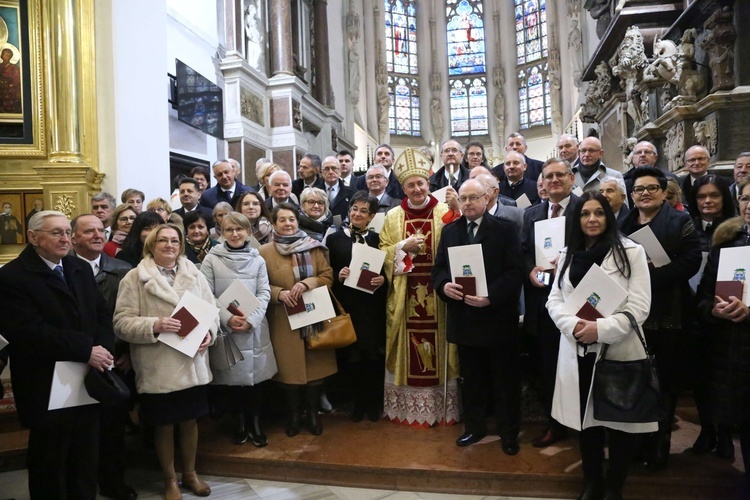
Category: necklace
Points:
column 419, row 231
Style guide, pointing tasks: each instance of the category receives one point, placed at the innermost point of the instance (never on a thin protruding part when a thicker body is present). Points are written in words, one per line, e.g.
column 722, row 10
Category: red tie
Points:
column 556, row 207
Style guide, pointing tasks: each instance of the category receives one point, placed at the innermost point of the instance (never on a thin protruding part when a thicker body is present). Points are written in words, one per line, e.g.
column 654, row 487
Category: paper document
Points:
column 523, row 201
column 647, row 239
column 364, row 257
column 440, row 194
column 376, row 224
column 578, row 191
column 67, row 386
column 549, row 239
column 236, row 300
column 468, row 261
column 318, row 307
column 734, row 264
column 204, row 312
column 695, row 280
column 3, row 342
column 599, row 290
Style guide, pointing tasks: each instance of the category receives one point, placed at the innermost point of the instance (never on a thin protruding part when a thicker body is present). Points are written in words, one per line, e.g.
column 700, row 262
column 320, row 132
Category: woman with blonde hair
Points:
column 263, row 173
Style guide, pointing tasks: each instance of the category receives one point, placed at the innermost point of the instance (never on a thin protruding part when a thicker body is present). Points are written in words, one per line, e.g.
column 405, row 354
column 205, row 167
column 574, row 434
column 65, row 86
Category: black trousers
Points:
column 663, row 344
column 548, row 345
column 491, row 373
column 63, row 454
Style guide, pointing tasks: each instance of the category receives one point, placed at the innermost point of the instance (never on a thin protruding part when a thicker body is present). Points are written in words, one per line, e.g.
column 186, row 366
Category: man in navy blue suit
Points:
column 227, row 187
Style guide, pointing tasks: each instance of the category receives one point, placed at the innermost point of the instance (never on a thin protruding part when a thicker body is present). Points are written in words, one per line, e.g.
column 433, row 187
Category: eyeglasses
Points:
column 375, row 177
column 451, row 150
column 473, row 198
column 329, row 169
column 587, row 151
column 232, row 230
column 315, row 202
column 167, row 241
column 126, row 219
column 57, row 233
column 744, row 199
column 698, row 159
column 475, row 153
column 651, row 188
column 646, row 152
column 362, row 211
column 556, row 175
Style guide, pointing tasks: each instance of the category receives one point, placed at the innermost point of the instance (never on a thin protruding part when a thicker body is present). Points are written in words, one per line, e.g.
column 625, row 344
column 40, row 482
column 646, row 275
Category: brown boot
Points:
column 172, row 489
column 197, row 485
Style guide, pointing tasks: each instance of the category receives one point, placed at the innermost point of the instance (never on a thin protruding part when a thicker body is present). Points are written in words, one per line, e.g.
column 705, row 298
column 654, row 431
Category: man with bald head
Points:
column 697, row 160
column 517, row 142
column 590, row 170
column 567, row 148
column 488, row 351
column 644, row 155
column 338, row 193
column 516, row 184
column 494, row 208
column 452, row 173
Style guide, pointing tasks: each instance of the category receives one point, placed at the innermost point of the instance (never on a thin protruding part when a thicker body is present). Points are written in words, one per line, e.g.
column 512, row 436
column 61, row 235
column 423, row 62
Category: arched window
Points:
column 467, row 67
column 531, row 51
column 402, row 66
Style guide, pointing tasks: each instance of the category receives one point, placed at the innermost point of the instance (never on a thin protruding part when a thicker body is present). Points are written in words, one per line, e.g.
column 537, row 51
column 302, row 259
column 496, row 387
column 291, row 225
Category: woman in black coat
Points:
column 728, row 322
column 362, row 363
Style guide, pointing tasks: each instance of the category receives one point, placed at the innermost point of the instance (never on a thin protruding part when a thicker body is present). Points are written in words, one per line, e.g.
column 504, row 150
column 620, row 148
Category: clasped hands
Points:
column 290, row 297
column 172, row 325
column 733, row 310
column 586, row 332
column 455, row 292
column 377, row 281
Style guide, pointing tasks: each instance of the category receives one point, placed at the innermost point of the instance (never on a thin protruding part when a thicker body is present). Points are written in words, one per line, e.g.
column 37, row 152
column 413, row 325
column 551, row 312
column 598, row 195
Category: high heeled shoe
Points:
column 255, row 433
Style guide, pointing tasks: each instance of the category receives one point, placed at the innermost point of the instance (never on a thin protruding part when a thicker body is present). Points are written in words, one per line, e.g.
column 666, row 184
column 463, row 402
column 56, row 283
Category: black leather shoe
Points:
column 706, row 441
column 510, row 446
column 592, row 491
column 725, row 445
column 550, row 437
column 358, row 413
column 659, row 455
column 118, row 492
column 468, row 438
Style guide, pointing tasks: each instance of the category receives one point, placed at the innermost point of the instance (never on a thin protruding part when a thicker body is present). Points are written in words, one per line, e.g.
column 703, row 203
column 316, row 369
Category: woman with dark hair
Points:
column 122, row 220
column 362, row 364
column 296, row 263
column 202, row 175
column 252, row 206
column 474, row 155
column 197, row 242
column 593, row 239
column 728, row 322
column 132, row 247
column 710, row 203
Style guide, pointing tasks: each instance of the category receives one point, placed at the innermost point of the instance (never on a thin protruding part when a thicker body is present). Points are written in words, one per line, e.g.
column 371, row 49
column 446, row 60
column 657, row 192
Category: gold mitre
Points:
column 411, row 162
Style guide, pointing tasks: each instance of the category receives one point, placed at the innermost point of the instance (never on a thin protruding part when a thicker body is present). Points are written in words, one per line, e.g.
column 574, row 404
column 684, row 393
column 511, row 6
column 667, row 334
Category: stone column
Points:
column 281, row 37
column 322, row 90
column 63, row 60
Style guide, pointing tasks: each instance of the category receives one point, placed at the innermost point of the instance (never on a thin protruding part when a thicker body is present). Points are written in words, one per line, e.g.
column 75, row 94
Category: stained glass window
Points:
column 466, row 67
column 401, row 63
column 535, row 103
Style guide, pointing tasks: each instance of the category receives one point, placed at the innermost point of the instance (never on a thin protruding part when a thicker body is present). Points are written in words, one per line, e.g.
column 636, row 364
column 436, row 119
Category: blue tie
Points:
column 59, row 272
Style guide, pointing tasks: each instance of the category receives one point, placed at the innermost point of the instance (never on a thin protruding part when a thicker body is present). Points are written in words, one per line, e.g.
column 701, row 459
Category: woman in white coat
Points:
column 171, row 386
column 594, row 238
column 236, row 259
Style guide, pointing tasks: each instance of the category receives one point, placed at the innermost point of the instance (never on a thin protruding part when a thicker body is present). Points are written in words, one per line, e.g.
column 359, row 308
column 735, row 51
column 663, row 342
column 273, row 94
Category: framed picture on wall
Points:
column 12, row 229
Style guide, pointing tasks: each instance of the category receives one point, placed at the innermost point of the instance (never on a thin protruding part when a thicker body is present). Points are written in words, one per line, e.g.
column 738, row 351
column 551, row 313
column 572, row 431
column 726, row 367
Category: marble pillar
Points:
column 281, row 37
column 322, row 90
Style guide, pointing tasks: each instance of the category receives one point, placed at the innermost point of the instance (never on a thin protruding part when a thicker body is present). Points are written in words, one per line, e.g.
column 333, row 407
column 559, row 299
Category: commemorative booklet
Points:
column 318, row 307
column 467, row 269
column 734, row 264
column 596, row 296
column 202, row 313
column 366, row 263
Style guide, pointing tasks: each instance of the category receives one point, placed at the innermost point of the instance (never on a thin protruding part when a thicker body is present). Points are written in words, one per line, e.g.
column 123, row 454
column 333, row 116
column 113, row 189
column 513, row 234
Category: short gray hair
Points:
column 313, row 192
column 278, row 173
column 488, row 180
column 554, row 159
column 37, row 220
column 618, row 182
column 103, row 195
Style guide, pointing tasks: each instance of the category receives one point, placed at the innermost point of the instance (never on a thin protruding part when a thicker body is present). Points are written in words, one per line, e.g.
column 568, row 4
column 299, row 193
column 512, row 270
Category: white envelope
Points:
column 319, row 308
column 204, row 312
column 363, row 255
column 598, row 288
column 523, row 201
column 376, row 224
column 695, row 280
column 577, row 190
column 242, row 297
column 647, row 239
column 734, row 265
column 440, row 194
column 468, row 260
column 67, row 386
column 549, row 239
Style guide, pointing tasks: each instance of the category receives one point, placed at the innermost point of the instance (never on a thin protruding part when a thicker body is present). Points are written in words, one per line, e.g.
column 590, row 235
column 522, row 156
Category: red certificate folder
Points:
column 187, row 321
column 365, row 277
column 588, row 312
column 468, row 284
column 725, row 289
column 300, row 307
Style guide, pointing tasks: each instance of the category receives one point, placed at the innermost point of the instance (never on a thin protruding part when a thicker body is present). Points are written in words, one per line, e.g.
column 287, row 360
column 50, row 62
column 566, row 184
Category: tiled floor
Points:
column 148, row 485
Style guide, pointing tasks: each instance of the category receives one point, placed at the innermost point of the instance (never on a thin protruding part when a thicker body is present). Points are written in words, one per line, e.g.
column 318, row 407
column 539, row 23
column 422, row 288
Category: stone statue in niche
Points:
column 498, row 80
column 352, row 34
column 437, row 117
column 334, row 139
column 706, row 134
column 600, row 11
column 254, row 35
column 719, row 44
column 597, row 92
column 384, row 103
column 574, row 7
column 690, row 82
column 628, row 64
column 575, row 52
column 296, row 115
column 555, row 86
column 675, row 146
column 627, row 145
column 664, row 65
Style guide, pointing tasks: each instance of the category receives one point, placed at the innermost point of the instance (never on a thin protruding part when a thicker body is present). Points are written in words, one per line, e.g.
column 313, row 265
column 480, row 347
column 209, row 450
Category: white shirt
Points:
column 332, row 191
column 347, row 180
column 95, row 264
column 563, row 203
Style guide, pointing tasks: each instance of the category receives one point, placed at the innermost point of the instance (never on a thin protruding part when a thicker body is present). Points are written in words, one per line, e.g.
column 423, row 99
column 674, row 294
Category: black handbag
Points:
column 627, row 391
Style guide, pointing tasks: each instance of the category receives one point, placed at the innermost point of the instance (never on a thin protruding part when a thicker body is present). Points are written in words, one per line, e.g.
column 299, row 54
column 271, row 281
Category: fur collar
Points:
column 157, row 285
column 727, row 231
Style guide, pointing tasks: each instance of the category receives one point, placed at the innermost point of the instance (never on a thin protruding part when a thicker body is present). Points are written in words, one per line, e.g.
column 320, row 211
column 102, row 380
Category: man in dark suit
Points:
column 613, row 188
column 308, row 172
column 741, row 171
column 227, row 188
column 488, row 350
column 567, row 148
column 494, row 207
column 190, row 195
column 377, row 181
column 88, row 243
column 281, row 189
column 338, row 194
column 52, row 311
column 384, row 156
column 452, row 172
column 517, row 142
column 558, row 181
column 515, row 183
column 697, row 160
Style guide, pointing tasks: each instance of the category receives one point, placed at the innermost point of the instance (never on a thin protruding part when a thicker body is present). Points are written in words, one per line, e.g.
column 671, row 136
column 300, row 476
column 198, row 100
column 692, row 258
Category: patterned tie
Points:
column 330, row 193
column 60, row 274
column 556, row 207
column 470, row 234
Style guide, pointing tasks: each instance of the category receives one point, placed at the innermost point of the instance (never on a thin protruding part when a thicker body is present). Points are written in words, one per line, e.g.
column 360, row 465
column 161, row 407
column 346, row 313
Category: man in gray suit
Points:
column 376, row 179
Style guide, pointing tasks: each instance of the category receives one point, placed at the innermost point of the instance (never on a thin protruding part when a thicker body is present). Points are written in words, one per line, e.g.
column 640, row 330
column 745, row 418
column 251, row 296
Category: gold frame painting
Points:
column 22, row 124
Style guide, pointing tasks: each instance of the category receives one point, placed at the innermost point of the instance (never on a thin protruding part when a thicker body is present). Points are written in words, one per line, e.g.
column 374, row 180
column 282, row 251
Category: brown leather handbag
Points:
column 337, row 332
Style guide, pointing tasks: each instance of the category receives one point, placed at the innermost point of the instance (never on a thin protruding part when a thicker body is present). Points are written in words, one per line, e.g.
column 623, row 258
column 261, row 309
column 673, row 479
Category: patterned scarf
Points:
column 200, row 250
column 357, row 235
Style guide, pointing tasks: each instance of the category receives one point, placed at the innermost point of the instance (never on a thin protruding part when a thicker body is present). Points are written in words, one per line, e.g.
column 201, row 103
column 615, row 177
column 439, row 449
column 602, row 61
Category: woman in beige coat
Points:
column 171, row 385
column 296, row 263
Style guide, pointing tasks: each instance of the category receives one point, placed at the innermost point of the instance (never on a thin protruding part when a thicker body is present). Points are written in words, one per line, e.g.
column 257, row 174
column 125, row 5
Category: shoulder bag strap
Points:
column 634, row 325
column 336, row 302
